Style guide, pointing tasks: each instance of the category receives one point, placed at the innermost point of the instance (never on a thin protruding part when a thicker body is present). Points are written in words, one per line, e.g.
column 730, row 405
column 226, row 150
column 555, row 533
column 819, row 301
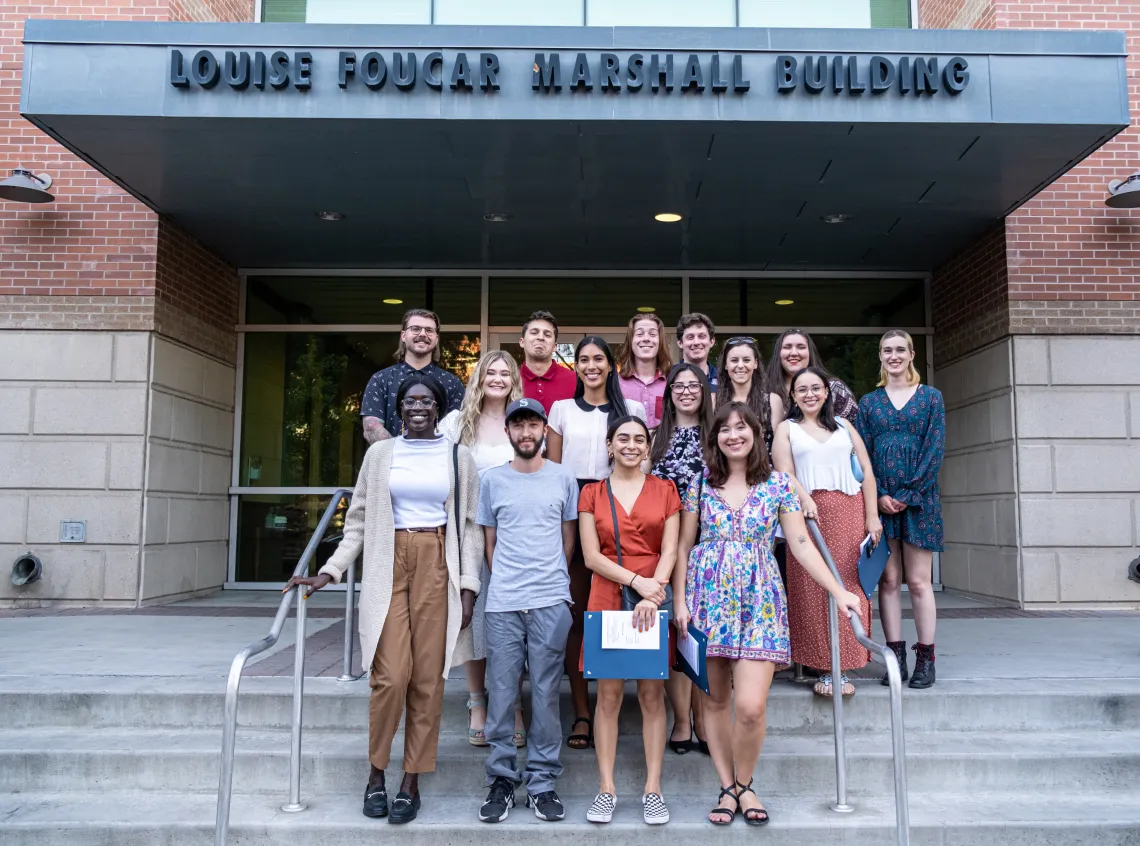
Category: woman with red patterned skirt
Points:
column 819, row 449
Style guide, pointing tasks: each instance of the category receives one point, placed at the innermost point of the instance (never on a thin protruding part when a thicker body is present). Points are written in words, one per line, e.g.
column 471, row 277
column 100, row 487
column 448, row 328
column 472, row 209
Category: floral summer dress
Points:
column 683, row 460
column 733, row 588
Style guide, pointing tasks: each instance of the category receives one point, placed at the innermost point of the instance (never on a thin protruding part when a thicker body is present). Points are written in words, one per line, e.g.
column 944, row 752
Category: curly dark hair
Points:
column 759, row 394
column 759, row 464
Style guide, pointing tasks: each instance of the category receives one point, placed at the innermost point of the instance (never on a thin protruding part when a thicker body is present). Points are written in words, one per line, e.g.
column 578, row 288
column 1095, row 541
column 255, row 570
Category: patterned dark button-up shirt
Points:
column 380, row 395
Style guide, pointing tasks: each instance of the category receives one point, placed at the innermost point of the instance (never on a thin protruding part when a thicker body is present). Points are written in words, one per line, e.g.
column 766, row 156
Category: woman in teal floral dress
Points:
column 903, row 424
column 733, row 594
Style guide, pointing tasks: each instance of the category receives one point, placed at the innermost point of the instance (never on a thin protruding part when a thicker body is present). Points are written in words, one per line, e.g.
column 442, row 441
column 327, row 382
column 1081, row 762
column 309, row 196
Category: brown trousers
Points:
column 407, row 671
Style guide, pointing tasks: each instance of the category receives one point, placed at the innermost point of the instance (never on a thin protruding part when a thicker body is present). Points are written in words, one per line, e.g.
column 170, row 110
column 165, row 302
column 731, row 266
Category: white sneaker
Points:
column 653, row 809
column 602, row 808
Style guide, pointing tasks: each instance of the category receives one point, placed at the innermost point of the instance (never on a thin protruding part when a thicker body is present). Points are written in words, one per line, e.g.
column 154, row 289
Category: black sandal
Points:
column 682, row 747
column 731, row 794
column 581, row 741
column 753, row 816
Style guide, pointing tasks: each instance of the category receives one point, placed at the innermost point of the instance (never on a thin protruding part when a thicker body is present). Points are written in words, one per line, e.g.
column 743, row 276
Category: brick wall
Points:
column 1074, row 263
column 970, row 298
column 90, row 260
column 196, row 294
column 957, row 14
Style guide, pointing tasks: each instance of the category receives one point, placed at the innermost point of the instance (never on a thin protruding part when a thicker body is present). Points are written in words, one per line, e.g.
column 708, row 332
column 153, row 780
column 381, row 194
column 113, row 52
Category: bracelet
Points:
column 631, row 579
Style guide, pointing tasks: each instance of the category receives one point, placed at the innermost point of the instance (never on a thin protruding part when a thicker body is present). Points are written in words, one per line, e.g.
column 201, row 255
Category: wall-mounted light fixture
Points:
column 1124, row 193
column 23, row 186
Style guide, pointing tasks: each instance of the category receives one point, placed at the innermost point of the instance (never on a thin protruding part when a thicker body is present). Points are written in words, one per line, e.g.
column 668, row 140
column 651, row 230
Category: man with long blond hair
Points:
column 643, row 362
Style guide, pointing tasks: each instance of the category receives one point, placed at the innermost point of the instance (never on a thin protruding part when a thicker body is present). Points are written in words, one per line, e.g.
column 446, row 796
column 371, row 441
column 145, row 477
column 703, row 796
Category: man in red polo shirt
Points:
column 543, row 380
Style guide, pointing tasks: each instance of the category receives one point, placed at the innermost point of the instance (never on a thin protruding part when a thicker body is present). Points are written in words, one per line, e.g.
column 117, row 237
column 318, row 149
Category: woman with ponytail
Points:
column 577, row 439
column 903, row 424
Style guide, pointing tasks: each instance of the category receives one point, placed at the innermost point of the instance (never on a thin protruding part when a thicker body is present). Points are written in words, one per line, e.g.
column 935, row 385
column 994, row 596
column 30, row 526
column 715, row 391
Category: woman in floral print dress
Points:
column 733, row 594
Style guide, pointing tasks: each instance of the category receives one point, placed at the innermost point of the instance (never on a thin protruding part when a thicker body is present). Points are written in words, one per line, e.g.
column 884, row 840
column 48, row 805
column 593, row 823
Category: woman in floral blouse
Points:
column 677, row 456
column 733, row 594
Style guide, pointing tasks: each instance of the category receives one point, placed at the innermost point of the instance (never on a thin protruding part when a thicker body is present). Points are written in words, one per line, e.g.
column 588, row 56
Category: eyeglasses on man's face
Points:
column 421, row 330
column 679, row 388
column 412, row 403
column 810, row 390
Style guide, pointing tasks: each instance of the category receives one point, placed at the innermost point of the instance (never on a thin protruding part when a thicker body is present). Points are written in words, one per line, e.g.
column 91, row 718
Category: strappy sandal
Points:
column 753, row 816
column 477, row 737
column 823, row 687
column 581, row 741
column 725, row 812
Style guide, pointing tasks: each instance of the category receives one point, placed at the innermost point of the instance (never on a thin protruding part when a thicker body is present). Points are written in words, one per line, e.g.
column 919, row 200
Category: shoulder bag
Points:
column 856, row 467
column 629, row 596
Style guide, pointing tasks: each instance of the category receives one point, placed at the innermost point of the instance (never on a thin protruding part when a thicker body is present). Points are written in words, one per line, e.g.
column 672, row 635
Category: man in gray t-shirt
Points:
column 529, row 511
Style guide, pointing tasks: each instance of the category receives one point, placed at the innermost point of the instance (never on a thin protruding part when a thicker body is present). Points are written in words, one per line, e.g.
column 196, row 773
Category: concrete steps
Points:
column 987, row 819
column 108, row 760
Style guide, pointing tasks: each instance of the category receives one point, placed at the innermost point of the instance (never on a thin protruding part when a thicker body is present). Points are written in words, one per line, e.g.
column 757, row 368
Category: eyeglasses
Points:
column 685, row 387
column 740, row 339
column 812, row 390
column 412, row 403
column 421, row 330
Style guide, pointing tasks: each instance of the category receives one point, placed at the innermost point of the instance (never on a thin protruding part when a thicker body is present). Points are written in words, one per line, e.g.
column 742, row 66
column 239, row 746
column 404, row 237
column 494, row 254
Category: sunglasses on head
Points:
column 740, row 339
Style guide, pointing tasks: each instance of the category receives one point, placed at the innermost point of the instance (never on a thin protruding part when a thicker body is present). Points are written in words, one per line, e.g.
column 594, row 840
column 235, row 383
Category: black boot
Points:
column 899, row 647
column 923, row 666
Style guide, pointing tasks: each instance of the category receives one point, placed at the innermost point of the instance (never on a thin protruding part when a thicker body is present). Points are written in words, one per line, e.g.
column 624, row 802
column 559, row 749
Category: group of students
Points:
column 492, row 517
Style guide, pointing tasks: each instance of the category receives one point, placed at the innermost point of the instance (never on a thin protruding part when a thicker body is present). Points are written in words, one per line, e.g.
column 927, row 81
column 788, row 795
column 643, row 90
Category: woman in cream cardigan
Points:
column 422, row 559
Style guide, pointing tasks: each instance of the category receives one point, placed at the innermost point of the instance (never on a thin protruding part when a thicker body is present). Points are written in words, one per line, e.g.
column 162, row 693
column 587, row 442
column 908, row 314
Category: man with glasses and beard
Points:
column 529, row 511
column 418, row 353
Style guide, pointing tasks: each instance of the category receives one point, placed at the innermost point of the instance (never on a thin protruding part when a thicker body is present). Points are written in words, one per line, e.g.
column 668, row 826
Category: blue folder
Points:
column 601, row 663
column 699, row 674
column 872, row 563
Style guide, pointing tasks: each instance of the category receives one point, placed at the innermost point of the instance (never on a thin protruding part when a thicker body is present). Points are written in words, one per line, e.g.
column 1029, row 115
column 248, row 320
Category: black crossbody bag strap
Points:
column 613, row 514
column 455, row 501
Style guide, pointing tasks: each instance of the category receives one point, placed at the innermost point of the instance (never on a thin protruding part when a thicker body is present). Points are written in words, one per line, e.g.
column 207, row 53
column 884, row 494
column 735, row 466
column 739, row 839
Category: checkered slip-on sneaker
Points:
column 654, row 810
column 602, row 808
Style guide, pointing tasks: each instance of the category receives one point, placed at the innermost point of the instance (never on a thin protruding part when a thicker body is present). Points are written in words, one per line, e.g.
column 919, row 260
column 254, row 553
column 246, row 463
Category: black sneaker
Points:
column 547, row 806
column 500, row 800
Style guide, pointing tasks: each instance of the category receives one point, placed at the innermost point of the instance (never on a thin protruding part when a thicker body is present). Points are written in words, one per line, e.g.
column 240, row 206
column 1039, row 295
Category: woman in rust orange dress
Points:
column 647, row 510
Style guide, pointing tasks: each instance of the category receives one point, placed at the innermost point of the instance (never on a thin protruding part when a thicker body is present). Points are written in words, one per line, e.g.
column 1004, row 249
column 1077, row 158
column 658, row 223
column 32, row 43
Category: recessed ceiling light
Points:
column 330, row 215
column 785, row 302
column 835, row 218
column 496, row 217
column 667, row 217
column 646, row 309
column 393, row 302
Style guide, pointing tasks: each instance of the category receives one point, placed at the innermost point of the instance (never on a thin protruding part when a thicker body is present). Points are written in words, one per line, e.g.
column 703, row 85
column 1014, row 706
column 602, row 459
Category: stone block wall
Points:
column 72, row 445
column 978, row 479
column 1077, row 402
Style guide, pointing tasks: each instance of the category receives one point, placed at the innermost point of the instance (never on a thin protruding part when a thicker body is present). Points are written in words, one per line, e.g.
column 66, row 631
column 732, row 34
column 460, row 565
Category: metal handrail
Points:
column 887, row 657
column 233, row 684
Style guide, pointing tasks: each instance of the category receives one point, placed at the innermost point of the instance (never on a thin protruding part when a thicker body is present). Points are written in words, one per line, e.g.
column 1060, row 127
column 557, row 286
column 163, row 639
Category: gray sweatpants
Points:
column 537, row 636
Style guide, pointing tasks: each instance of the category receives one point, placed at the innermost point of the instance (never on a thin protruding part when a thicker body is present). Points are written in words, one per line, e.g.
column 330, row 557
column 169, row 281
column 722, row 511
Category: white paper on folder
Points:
column 618, row 632
column 691, row 650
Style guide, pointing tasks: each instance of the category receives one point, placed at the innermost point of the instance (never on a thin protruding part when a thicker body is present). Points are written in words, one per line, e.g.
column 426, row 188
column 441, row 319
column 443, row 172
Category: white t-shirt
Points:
column 583, row 430
column 420, row 482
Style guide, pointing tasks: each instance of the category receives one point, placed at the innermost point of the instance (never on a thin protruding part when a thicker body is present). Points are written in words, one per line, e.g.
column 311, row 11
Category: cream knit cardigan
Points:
column 369, row 525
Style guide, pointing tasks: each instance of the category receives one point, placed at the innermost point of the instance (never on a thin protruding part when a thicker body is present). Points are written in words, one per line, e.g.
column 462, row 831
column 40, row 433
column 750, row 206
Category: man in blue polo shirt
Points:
column 418, row 353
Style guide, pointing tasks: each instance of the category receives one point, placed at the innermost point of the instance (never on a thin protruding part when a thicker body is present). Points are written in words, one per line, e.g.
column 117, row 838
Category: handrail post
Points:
column 840, row 805
column 349, row 620
column 898, row 744
column 295, row 805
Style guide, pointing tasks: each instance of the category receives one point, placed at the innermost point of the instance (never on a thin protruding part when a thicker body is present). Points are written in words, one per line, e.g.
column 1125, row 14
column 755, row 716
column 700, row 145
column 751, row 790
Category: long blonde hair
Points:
column 472, row 405
column 912, row 374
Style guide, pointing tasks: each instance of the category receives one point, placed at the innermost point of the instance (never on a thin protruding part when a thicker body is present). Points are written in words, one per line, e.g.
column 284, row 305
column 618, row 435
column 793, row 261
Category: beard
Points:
column 526, row 451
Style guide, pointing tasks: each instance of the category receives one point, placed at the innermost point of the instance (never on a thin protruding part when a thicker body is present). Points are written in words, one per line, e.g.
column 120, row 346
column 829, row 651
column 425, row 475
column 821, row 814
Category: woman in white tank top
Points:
column 818, row 448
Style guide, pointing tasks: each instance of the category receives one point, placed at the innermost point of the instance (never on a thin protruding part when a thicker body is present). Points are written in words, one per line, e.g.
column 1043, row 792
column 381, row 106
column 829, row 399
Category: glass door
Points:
column 567, row 340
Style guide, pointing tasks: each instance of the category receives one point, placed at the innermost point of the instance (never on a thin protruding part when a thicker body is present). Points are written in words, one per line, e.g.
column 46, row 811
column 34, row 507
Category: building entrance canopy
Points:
column 780, row 149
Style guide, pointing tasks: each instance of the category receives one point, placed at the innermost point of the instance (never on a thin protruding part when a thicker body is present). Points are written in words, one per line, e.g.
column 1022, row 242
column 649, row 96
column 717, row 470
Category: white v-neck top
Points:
column 583, row 430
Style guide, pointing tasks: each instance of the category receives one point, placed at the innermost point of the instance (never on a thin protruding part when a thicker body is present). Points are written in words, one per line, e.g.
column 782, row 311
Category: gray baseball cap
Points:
column 526, row 404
